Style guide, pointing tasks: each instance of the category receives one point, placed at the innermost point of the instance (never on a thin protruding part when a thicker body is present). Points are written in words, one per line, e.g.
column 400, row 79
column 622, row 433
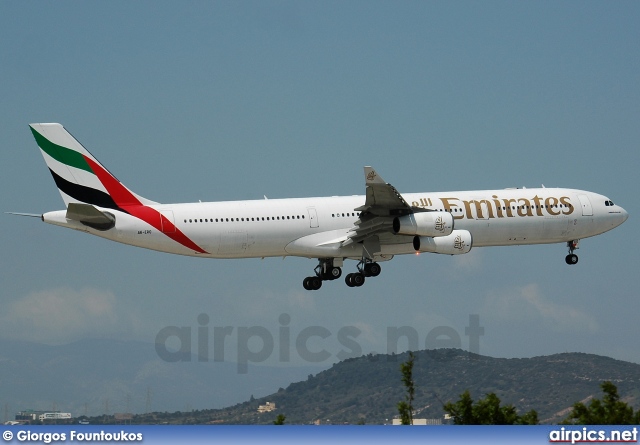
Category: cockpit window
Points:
column 608, row 203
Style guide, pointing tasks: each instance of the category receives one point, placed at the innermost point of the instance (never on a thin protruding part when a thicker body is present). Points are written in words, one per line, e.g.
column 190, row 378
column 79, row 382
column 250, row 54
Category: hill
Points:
column 366, row 389
column 98, row 376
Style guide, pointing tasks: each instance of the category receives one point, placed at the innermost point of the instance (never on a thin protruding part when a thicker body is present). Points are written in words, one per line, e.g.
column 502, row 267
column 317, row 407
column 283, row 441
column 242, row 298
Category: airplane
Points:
column 369, row 229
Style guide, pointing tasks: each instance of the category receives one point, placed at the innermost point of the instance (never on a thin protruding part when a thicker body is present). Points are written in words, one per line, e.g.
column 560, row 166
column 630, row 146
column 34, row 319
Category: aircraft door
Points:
column 167, row 221
column 587, row 210
column 313, row 217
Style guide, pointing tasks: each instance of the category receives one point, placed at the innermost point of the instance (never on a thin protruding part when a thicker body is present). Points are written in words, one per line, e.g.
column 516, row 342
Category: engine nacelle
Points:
column 458, row 242
column 433, row 224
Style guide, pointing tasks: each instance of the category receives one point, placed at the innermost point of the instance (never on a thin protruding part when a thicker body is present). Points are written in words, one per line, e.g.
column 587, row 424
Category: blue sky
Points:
column 236, row 100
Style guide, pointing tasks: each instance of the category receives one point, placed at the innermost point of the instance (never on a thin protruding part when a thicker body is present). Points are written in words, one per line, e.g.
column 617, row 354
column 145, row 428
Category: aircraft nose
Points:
column 624, row 214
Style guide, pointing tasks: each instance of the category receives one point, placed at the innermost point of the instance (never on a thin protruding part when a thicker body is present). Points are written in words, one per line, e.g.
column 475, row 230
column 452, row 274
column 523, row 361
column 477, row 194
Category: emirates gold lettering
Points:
column 551, row 204
column 467, row 208
column 538, row 203
column 507, row 203
column 448, row 206
column 567, row 204
column 503, row 207
column 480, row 207
column 525, row 208
column 498, row 206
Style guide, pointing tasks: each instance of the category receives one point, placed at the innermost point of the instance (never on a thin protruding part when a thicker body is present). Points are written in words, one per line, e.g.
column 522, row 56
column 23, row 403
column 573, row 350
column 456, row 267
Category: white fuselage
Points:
column 316, row 227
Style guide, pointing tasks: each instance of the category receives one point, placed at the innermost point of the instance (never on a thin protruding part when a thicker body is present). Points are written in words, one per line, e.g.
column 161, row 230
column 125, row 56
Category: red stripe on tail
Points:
column 127, row 201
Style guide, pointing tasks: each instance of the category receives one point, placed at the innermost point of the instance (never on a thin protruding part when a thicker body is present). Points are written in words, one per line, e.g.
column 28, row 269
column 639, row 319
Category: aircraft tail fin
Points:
column 79, row 176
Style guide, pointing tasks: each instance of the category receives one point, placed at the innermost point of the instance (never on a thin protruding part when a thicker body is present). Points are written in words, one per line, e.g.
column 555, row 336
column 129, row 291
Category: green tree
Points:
column 608, row 411
column 280, row 419
column 405, row 407
column 487, row 411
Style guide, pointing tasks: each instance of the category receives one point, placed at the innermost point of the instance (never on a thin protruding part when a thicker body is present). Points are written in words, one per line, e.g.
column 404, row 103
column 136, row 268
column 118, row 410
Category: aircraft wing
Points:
column 382, row 204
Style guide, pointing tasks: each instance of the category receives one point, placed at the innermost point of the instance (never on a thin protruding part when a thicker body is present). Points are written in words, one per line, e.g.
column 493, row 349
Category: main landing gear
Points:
column 366, row 268
column 572, row 258
column 325, row 270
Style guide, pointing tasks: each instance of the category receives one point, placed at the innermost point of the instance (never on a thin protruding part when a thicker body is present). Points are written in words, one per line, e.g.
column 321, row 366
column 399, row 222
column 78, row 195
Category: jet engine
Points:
column 456, row 243
column 424, row 224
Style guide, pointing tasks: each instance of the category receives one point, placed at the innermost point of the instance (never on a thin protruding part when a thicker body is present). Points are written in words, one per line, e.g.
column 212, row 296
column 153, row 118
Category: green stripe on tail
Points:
column 61, row 154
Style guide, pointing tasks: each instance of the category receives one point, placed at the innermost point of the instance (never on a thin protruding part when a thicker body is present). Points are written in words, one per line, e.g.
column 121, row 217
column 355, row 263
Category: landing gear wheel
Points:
column 335, row 273
column 357, row 279
column 571, row 259
column 349, row 280
column 312, row 283
column 315, row 283
column 372, row 269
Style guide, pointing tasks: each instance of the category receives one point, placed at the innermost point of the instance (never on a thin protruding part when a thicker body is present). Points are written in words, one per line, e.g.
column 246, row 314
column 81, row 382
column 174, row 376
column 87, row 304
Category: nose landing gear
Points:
column 572, row 258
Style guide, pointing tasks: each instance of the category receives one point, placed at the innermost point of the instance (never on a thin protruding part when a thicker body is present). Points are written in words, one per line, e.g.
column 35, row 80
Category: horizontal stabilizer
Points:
column 90, row 216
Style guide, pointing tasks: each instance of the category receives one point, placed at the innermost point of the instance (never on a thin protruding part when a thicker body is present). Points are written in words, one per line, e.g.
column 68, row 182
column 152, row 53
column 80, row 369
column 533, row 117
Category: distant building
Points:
column 30, row 415
column 420, row 422
column 123, row 418
column 267, row 408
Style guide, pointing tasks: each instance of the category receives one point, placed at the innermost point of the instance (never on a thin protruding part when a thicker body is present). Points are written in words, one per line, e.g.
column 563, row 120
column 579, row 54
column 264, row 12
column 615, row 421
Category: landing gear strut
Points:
column 572, row 258
column 366, row 268
column 325, row 270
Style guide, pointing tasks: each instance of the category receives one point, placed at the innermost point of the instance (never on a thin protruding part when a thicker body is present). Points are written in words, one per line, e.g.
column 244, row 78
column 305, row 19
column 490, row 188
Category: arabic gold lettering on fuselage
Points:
column 501, row 207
